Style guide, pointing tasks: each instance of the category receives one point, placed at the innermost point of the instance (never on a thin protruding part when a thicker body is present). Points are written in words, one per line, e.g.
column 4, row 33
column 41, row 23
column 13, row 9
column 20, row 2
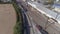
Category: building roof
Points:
column 57, row 5
column 47, row 12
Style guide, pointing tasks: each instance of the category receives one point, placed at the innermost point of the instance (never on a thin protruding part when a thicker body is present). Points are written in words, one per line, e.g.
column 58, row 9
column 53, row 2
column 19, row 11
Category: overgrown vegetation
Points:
column 18, row 26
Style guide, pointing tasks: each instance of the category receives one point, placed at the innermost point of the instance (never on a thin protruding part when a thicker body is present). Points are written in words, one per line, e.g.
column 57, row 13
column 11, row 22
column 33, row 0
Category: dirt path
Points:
column 7, row 18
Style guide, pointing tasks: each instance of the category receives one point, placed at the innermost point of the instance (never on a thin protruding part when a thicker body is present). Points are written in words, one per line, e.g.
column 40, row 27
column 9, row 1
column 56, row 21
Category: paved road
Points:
column 26, row 27
column 35, row 18
column 34, row 29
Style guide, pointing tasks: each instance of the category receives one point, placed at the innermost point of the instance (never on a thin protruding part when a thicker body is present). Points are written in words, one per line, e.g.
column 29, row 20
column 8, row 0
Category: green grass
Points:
column 18, row 26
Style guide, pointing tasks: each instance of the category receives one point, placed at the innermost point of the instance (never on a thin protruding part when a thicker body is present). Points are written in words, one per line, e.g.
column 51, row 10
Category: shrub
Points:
column 18, row 26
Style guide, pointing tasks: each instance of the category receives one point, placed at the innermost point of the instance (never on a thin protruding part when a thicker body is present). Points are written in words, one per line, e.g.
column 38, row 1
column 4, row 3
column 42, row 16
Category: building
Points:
column 56, row 7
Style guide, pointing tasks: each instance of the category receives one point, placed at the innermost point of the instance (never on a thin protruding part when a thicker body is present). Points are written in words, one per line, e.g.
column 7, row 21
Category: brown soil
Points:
column 7, row 18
